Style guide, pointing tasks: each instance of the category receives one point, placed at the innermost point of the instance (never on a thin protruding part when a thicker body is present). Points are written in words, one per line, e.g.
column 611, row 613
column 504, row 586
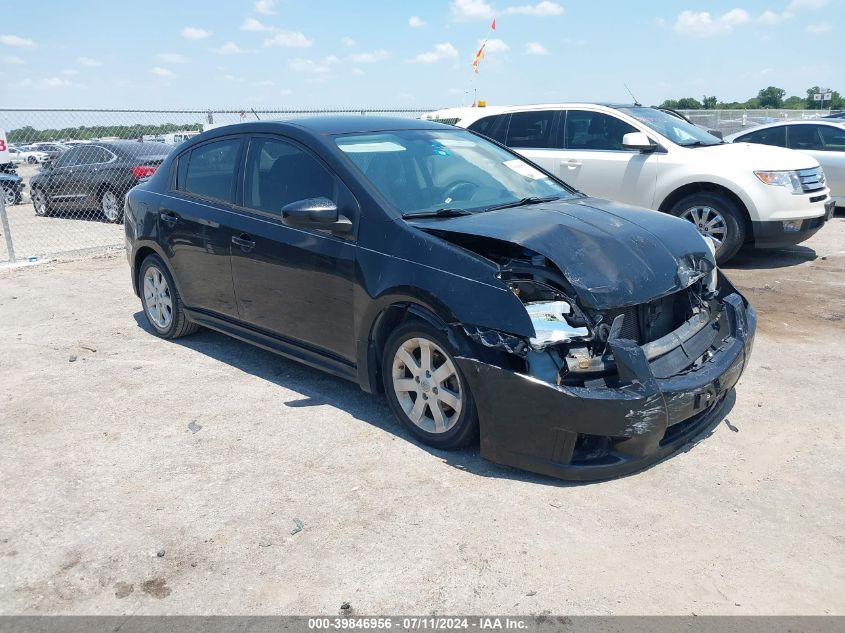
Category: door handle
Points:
column 572, row 164
column 168, row 218
column 244, row 241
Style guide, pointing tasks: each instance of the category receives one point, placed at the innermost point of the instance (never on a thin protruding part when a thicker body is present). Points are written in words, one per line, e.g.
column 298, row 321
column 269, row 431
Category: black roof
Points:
column 339, row 124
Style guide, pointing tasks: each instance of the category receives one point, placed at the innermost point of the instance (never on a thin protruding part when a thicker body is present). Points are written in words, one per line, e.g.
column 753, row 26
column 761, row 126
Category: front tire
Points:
column 716, row 216
column 10, row 197
column 32, row 160
column 162, row 304
column 425, row 388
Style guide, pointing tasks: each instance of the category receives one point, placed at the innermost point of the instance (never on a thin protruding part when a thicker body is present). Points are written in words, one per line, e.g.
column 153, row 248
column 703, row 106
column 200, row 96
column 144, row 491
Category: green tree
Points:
column 669, row 103
column 794, row 103
column 689, row 103
column 771, row 97
column 709, row 103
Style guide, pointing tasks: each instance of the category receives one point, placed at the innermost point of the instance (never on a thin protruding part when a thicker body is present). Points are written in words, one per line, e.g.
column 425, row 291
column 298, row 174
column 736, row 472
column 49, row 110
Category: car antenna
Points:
column 636, row 103
column 255, row 114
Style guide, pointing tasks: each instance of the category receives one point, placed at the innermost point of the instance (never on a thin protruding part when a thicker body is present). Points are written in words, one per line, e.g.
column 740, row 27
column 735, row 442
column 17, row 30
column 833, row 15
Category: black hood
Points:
column 614, row 255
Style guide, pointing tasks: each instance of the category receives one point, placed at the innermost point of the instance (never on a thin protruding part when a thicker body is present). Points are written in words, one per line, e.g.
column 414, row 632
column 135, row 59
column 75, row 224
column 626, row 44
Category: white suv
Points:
column 735, row 194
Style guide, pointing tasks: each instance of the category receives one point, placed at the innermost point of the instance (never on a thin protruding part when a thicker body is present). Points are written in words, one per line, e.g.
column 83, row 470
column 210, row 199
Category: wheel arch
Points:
column 709, row 187
column 141, row 252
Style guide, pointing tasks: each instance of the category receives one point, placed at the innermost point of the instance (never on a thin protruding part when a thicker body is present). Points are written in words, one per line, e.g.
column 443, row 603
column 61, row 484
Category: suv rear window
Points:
column 769, row 136
column 493, row 127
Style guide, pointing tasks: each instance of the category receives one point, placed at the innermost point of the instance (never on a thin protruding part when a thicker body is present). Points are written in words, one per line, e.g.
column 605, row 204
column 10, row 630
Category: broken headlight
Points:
column 552, row 314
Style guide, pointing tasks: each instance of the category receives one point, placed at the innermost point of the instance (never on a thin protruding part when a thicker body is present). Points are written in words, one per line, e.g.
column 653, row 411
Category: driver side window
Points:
column 595, row 130
column 278, row 173
column 68, row 158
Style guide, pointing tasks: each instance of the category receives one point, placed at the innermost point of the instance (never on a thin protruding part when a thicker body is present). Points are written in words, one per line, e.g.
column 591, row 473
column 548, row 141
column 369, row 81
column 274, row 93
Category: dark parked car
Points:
column 11, row 185
column 580, row 338
column 95, row 176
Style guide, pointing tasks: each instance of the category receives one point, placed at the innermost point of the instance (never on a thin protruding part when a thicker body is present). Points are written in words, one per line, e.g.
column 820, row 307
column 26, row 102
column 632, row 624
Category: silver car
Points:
column 823, row 139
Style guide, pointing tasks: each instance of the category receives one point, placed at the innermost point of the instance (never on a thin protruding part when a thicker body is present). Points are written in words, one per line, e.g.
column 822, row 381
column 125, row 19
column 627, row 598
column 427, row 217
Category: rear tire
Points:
column 160, row 299
column 425, row 388
column 41, row 203
column 110, row 206
column 32, row 160
column 717, row 216
column 10, row 197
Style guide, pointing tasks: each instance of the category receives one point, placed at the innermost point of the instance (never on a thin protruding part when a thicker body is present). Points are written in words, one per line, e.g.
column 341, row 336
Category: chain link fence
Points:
column 63, row 192
column 732, row 121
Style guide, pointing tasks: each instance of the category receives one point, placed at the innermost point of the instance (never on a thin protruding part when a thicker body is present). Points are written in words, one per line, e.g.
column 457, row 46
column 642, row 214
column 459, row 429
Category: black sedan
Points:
column 95, row 176
column 579, row 338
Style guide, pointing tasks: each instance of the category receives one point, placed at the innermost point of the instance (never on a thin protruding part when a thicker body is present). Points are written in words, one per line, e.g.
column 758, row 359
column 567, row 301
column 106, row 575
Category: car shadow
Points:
column 85, row 215
column 750, row 258
column 319, row 388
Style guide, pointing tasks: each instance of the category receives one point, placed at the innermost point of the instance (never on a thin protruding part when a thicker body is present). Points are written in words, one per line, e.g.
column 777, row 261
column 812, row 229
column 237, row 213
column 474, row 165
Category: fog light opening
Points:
column 791, row 226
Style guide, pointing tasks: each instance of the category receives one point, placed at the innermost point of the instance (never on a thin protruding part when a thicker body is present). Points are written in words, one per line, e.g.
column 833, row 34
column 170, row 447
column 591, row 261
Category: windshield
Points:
column 431, row 170
column 675, row 129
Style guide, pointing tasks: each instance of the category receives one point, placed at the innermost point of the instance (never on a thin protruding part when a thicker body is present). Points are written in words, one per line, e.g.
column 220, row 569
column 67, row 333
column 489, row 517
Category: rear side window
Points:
column 492, row 127
column 278, row 173
column 531, row 129
column 769, row 136
column 210, row 170
column 595, row 130
column 91, row 155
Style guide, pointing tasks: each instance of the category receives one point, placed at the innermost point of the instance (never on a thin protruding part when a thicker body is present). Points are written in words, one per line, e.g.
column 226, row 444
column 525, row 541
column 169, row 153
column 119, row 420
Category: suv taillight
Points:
column 143, row 171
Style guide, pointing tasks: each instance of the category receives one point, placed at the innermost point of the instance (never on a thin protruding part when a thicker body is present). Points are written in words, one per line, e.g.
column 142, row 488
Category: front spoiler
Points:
column 536, row 426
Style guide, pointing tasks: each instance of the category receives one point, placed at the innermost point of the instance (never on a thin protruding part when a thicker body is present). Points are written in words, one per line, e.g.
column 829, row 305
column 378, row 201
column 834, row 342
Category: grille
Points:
column 631, row 324
column 811, row 179
column 649, row 321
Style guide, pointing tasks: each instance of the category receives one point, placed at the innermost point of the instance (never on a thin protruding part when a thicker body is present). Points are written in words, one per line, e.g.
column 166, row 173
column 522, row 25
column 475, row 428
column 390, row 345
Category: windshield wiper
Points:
column 437, row 213
column 700, row 144
column 522, row 202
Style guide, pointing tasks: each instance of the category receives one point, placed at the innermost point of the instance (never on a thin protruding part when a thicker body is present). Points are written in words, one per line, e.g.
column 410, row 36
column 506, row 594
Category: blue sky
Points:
column 291, row 53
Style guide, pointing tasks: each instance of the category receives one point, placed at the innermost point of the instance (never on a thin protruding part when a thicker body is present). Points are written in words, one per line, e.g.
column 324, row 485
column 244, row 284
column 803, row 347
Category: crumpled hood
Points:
column 614, row 255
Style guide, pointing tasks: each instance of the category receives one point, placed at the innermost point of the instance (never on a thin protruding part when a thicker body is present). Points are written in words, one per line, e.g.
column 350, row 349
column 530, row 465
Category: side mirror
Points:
column 316, row 213
column 638, row 141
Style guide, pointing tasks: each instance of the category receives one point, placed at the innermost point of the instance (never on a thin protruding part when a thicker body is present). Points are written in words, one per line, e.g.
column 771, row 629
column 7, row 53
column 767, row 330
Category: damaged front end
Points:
column 601, row 392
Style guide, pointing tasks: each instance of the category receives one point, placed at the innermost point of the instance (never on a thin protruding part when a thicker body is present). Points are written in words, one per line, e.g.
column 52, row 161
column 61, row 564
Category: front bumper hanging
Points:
column 531, row 424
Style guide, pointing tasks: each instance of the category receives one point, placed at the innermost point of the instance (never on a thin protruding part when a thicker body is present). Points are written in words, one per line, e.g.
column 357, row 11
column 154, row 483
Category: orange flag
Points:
column 493, row 26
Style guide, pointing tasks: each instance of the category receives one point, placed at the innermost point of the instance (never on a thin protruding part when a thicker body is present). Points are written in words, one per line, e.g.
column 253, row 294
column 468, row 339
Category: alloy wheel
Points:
column 427, row 385
column 8, row 196
column 111, row 208
column 709, row 223
column 158, row 303
column 39, row 201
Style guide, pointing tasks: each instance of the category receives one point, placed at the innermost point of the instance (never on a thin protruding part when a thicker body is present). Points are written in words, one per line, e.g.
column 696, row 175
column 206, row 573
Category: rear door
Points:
column 194, row 224
column 825, row 143
column 595, row 162
column 295, row 283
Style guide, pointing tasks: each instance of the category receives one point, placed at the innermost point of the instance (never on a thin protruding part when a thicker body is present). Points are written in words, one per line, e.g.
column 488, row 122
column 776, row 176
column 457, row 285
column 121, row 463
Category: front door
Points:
column 294, row 283
column 595, row 162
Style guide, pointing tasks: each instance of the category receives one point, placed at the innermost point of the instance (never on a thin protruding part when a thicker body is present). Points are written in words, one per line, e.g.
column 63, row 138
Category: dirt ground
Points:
column 204, row 476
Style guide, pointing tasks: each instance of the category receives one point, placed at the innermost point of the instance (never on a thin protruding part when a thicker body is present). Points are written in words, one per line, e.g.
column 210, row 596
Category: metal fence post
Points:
column 7, row 232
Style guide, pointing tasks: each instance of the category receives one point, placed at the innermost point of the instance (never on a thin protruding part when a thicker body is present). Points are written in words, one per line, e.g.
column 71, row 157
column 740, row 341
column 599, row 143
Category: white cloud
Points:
column 230, row 77
column 266, row 83
column 158, row 71
column 702, row 24
column 541, row 9
column 87, row 61
column 535, row 48
column 14, row 40
column 285, row 91
column 267, row 7
column 47, row 83
column 348, row 41
column 369, row 58
column 812, row 5
column 70, row 72
column 230, row 48
column 771, row 17
column 438, row 53
column 251, row 24
column 406, row 96
column 12, row 60
column 311, row 66
column 823, row 27
column 194, row 33
column 172, row 58
column 495, row 46
column 357, row 71
column 290, row 39
column 416, row 23
column 470, row 10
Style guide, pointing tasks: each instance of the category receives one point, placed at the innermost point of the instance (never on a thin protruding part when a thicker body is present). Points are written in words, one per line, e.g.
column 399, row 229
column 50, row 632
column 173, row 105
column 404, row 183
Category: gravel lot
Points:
column 142, row 476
